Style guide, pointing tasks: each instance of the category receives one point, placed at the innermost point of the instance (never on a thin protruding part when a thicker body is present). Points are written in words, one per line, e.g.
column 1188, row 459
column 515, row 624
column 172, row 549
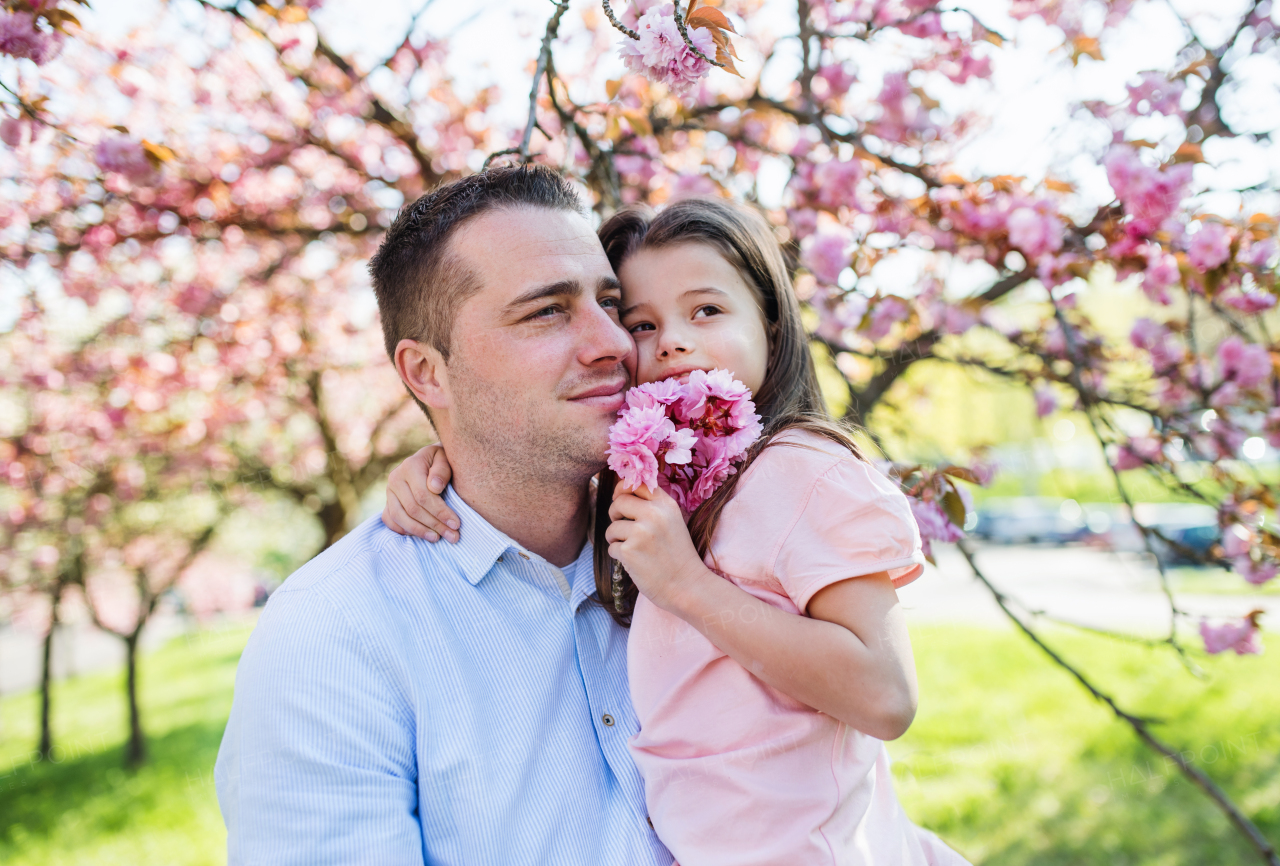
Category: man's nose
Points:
column 604, row 339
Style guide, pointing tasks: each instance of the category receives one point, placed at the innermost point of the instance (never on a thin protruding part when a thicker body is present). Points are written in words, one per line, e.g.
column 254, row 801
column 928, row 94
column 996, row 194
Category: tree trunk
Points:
column 333, row 516
column 46, row 675
column 135, row 751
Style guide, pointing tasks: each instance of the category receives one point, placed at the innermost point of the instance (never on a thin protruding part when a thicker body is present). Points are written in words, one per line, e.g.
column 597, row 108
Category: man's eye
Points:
column 707, row 310
column 611, row 303
column 547, row 312
column 640, row 326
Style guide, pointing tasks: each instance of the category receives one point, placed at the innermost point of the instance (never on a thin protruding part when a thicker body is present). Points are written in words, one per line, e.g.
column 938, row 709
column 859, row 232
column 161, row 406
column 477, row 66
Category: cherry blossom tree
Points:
column 233, row 193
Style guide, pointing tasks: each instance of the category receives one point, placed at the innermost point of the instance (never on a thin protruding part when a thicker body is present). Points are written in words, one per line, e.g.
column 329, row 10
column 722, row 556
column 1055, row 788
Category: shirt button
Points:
column 523, row 555
column 650, row 820
column 607, row 719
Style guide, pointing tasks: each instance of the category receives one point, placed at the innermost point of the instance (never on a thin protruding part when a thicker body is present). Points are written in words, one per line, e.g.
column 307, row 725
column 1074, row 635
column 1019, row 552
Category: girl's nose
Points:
column 672, row 347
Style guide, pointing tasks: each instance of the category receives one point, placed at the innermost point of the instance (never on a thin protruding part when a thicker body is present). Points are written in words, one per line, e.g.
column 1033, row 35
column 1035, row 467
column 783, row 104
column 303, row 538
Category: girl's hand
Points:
column 414, row 504
column 649, row 537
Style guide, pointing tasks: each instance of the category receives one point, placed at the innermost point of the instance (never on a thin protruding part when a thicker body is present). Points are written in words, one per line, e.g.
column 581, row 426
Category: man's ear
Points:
column 422, row 369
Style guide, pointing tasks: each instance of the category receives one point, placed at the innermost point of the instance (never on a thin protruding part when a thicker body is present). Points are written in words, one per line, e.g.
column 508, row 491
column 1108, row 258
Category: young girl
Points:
column 768, row 657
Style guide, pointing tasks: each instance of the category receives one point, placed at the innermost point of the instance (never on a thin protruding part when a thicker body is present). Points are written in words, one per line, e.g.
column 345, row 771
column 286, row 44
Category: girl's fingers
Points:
column 626, row 508
column 617, row 532
column 429, row 509
column 398, row 520
column 621, row 489
column 440, row 473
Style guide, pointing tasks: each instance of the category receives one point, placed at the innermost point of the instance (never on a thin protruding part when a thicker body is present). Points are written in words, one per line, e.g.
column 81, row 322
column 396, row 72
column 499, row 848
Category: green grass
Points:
column 1008, row 759
column 1012, row 763
column 82, row 807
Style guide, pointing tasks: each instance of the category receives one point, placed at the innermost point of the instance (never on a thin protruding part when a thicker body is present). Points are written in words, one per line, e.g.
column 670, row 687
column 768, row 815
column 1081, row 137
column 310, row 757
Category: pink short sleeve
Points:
column 853, row 522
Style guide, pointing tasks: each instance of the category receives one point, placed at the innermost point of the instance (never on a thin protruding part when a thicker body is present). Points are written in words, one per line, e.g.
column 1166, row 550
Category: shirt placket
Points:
column 612, row 731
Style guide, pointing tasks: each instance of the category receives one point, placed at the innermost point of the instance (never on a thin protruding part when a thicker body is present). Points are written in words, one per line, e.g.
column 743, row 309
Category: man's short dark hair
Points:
column 421, row 285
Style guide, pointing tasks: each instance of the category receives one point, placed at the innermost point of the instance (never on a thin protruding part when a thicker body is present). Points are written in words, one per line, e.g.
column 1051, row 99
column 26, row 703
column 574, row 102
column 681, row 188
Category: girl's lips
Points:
column 682, row 373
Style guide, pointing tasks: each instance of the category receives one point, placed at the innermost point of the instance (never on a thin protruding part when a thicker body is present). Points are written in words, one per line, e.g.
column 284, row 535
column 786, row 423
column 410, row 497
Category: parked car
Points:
column 1030, row 520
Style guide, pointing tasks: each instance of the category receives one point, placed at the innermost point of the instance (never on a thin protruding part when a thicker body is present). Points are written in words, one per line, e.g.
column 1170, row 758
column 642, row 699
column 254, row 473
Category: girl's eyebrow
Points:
column 705, row 290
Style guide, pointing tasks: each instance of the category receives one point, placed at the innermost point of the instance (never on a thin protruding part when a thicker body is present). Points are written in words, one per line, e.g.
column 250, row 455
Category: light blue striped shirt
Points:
column 401, row 702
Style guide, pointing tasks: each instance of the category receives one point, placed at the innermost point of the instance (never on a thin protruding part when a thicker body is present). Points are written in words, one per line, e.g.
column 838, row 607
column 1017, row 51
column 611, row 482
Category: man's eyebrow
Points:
column 560, row 288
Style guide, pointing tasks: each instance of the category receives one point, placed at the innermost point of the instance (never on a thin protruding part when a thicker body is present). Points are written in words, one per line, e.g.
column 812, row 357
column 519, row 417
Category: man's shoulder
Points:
column 368, row 553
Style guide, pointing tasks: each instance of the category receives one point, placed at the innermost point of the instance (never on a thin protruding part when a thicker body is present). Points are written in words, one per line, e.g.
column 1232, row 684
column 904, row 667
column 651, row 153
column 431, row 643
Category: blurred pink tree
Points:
column 235, row 195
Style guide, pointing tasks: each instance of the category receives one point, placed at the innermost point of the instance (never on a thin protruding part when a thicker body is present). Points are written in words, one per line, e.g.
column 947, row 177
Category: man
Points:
column 401, row 702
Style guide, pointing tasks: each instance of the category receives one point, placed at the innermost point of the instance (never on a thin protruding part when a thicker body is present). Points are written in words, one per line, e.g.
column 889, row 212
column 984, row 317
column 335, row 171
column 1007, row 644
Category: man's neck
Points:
column 549, row 518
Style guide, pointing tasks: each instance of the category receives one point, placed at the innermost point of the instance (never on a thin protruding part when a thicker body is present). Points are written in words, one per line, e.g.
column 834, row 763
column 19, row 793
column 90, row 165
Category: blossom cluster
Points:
column 684, row 436
column 662, row 55
column 21, row 38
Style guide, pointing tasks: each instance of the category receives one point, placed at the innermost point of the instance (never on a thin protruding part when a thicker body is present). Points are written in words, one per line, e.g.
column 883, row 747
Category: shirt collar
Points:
column 480, row 545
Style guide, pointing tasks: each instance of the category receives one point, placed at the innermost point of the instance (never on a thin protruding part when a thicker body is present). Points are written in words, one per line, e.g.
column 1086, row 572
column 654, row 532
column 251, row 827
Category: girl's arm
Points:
column 414, row 504
column 850, row 658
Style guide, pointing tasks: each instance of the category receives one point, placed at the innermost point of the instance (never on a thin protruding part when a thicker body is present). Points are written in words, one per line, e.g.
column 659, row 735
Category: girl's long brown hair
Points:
column 789, row 396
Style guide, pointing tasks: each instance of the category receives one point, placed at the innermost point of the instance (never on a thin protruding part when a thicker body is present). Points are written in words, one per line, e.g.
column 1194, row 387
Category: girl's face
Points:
column 689, row 309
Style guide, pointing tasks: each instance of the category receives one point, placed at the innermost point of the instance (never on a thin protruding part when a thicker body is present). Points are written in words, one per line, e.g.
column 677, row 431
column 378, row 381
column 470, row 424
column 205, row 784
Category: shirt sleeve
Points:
column 853, row 522
column 317, row 761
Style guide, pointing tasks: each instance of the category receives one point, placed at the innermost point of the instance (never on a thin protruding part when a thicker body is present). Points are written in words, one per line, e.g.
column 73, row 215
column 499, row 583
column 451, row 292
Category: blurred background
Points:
column 195, row 399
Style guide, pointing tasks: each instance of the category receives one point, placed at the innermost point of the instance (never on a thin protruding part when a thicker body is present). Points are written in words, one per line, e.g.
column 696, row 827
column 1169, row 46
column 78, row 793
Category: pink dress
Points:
column 736, row 772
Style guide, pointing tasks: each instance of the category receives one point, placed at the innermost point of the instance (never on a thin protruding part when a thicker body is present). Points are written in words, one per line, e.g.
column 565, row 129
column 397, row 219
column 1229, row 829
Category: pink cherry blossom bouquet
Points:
column 684, row 437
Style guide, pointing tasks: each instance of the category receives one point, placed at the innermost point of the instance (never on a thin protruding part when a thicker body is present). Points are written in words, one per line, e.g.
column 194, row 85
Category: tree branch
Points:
column 1141, row 726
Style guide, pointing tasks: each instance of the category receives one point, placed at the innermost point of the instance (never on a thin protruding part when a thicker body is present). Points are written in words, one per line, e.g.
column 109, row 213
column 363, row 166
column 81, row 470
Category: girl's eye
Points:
column 707, row 309
column 640, row 326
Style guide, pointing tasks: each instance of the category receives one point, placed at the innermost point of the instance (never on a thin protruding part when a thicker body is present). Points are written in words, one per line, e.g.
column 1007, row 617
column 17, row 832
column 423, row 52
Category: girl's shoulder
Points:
column 798, row 455
column 809, row 512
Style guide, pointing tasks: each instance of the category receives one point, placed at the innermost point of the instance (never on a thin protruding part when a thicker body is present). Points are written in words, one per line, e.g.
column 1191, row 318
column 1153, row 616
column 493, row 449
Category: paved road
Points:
column 1106, row 590
column 1112, row 591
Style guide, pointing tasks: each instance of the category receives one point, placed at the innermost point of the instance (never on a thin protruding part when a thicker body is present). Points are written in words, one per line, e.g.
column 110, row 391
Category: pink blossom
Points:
column 719, row 407
column 1237, row 541
column 804, row 222
column 1248, row 365
column 1159, row 341
column 683, row 436
column 836, row 182
column 1256, row 573
column 1240, row 635
column 983, row 471
column 1161, row 273
column 1046, row 402
column 663, row 392
column 923, row 27
column 661, row 54
column 19, row 37
column 1271, row 426
column 1248, row 302
column 933, row 522
column 837, row 77
column 634, row 441
column 826, row 254
column 1148, row 194
column 887, row 312
column 1258, row 254
column 1139, row 451
column 1209, row 247
column 13, row 131
column 124, row 155
column 1034, row 231
column 1160, row 94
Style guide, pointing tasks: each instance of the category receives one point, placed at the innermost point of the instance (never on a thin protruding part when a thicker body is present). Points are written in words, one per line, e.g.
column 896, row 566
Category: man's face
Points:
column 536, row 366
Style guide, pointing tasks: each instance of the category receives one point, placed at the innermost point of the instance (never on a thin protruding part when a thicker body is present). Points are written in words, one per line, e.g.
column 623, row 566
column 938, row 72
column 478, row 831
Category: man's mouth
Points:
column 609, row 395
